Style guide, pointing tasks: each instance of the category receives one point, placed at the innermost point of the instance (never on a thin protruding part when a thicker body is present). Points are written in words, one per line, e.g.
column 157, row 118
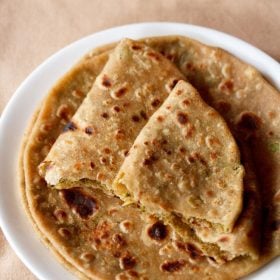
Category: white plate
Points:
column 19, row 110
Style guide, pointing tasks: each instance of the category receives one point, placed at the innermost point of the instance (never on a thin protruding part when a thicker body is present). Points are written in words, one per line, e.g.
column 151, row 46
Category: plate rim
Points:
column 75, row 50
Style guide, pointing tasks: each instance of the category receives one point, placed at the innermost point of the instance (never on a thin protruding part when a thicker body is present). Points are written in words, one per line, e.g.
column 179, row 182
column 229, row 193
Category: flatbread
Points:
column 101, row 132
column 185, row 163
column 49, row 125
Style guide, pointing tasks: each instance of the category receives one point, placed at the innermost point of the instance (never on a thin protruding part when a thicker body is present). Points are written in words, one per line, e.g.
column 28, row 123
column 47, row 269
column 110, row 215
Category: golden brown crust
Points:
column 178, row 49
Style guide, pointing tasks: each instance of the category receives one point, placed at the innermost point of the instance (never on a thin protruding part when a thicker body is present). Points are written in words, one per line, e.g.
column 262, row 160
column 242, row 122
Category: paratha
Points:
column 185, row 164
column 101, row 132
column 184, row 52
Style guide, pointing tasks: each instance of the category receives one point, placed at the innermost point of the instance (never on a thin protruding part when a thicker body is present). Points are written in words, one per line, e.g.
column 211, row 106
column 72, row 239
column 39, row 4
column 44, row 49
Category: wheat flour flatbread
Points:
column 122, row 99
column 185, row 163
column 194, row 61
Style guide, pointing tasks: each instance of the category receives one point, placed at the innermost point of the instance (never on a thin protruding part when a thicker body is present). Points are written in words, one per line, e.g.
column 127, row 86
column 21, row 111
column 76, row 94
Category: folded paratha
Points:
column 101, row 132
column 40, row 201
column 185, row 164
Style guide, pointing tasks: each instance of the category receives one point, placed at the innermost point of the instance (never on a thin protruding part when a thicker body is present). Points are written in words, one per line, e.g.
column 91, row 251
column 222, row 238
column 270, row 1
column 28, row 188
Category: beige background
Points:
column 32, row 30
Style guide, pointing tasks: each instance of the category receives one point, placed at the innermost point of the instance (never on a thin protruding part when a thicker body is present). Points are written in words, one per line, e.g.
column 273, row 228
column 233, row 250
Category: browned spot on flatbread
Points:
column 227, row 85
column 182, row 118
column 83, row 205
column 105, row 115
column 158, row 231
column 224, row 239
column 150, row 160
column 249, row 121
column 154, row 55
column 116, row 109
column 160, row 118
column 89, row 130
column 119, row 240
column 186, row 102
column 155, row 103
column 135, row 118
column 190, row 66
column 127, row 261
column 173, row 266
column 143, row 115
column 136, row 47
column 120, row 92
column 173, row 83
column 106, row 82
column 64, row 112
column 120, row 134
column 92, row 165
column 69, row 126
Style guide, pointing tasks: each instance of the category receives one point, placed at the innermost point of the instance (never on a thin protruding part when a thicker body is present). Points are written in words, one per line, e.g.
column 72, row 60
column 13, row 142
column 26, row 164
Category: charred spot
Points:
column 69, row 126
column 121, row 92
column 210, row 193
column 160, row 118
column 64, row 232
column 150, row 160
column 158, row 231
column 89, row 130
column 119, row 240
column 143, row 115
column 92, row 165
column 135, row 118
column 64, row 112
column 223, row 107
column 136, row 47
column 186, row 102
column 167, row 151
column 154, row 56
column 83, row 204
column 193, row 249
column 227, row 85
column 117, row 109
column 127, row 262
column 191, row 159
column 107, row 150
column 106, row 82
column 120, row 134
column 249, row 121
column 197, row 157
column 171, row 57
column 182, row 150
column 275, row 225
column 173, row 83
column 155, row 103
column 182, row 118
column 105, row 115
column 173, row 266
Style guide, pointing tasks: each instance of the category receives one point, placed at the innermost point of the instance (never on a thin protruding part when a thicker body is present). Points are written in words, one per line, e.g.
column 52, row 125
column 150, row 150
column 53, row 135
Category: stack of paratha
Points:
column 156, row 159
